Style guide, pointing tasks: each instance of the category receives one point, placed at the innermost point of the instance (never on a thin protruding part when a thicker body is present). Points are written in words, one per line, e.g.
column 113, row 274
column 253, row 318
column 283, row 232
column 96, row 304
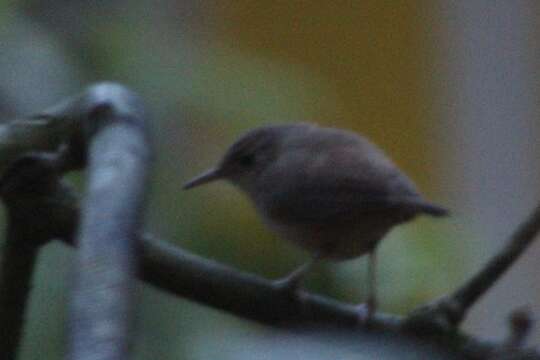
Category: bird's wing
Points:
column 341, row 186
column 335, row 202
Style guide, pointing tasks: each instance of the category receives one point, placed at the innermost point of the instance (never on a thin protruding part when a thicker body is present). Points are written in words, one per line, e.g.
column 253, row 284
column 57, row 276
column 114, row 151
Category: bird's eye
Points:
column 247, row 160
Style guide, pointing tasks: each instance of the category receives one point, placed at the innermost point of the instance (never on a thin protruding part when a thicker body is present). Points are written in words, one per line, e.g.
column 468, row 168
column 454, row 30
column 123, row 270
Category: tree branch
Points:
column 480, row 283
column 118, row 152
column 30, row 189
column 449, row 312
column 41, row 132
column 248, row 296
column 16, row 271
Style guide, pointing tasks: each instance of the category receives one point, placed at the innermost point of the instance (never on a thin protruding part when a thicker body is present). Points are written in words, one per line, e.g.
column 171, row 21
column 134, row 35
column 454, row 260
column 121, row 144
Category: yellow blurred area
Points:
column 374, row 56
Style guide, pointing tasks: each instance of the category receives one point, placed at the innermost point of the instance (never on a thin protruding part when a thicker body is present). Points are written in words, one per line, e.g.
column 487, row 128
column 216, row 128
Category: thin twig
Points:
column 449, row 312
column 480, row 283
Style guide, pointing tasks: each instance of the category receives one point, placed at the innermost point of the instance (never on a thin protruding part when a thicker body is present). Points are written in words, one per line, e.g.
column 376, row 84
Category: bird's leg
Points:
column 293, row 281
column 367, row 309
column 372, row 283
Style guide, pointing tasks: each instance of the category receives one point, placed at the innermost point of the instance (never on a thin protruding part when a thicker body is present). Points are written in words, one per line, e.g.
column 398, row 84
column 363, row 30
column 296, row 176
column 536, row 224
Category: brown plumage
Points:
column 330, row 191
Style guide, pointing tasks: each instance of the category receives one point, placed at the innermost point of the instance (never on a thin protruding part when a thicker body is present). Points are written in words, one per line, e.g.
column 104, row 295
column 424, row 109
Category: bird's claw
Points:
column 365, row 312
column 289, row 285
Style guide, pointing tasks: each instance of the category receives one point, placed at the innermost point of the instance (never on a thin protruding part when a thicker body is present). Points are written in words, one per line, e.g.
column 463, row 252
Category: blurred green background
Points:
column 211, row 70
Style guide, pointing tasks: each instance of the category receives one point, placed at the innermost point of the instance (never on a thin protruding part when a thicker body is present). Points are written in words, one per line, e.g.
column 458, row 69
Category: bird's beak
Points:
column 207, row 176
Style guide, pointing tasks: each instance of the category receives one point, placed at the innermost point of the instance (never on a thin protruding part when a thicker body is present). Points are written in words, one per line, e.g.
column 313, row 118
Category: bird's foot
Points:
column 292, row 283
column 366, row 311
column 289, row 285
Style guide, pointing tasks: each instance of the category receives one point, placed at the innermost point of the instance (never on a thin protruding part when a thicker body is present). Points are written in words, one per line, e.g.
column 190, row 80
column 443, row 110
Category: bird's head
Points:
column 248, row 157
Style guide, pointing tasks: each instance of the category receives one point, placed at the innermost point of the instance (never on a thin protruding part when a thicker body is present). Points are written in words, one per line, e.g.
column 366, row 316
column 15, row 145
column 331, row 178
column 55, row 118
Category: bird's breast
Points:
column 333, row 242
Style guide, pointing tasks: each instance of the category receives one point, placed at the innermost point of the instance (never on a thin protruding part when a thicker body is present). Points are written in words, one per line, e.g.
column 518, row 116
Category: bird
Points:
column 330, row 191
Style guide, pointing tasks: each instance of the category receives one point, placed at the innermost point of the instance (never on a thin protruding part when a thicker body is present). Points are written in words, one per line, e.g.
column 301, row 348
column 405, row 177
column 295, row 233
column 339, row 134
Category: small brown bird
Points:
column 330, row 191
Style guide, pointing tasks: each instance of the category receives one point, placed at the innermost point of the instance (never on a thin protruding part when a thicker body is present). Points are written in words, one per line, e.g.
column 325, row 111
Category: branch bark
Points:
column 31, row 189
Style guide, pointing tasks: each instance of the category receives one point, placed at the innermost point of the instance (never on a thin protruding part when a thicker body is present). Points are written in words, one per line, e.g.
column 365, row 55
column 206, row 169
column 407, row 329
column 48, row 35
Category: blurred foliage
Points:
column 209, row 71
